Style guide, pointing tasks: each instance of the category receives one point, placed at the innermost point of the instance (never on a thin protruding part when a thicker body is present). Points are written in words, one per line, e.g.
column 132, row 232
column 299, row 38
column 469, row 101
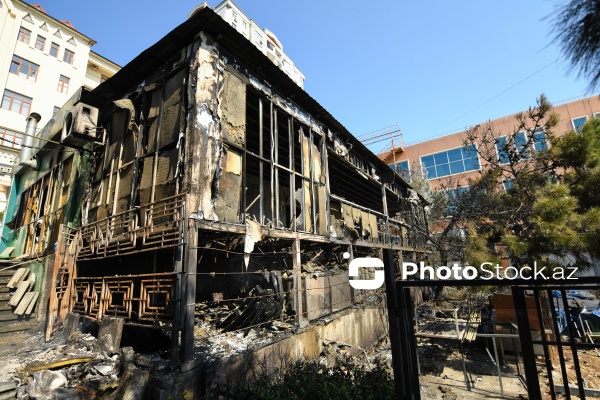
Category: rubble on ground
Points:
column 82, row 367
column 212, row 343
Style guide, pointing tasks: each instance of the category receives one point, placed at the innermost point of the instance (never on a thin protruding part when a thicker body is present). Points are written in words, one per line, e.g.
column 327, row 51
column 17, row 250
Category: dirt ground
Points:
column 443, row 377
column 589, row 365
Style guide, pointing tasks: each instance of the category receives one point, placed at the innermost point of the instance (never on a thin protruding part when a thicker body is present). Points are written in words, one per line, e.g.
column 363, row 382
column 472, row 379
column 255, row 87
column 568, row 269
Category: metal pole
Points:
column 533, row 384
column 571, row 331
column 394, row 323
column 498, row 366
column 538, row 307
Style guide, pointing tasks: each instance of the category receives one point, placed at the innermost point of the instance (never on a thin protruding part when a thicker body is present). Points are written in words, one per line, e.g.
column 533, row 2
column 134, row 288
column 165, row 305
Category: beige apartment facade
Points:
column 43, row 62
column 446, row 158
column 262, row 39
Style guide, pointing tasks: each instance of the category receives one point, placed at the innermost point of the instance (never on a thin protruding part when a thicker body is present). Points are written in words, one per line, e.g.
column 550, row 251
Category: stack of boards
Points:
column 23, row 298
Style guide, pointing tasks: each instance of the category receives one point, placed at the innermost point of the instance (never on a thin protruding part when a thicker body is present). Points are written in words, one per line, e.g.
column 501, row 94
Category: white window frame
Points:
column 424, row 169
column 573, row 121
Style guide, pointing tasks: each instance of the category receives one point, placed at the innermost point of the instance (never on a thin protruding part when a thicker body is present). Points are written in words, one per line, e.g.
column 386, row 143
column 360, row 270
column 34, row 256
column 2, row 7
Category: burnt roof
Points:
column 205, row 19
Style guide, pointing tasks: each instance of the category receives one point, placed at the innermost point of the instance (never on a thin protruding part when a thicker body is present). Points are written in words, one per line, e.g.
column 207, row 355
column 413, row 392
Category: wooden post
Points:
column 299, row 293
column 188, row 302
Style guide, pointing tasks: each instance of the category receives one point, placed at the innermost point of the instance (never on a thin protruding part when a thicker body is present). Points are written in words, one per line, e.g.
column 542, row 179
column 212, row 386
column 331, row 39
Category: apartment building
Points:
column 447, row 157
column 263, row 39
column 43, row 61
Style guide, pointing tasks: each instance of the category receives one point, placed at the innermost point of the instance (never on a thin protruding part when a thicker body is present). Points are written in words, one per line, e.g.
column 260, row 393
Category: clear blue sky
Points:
column 430, row 67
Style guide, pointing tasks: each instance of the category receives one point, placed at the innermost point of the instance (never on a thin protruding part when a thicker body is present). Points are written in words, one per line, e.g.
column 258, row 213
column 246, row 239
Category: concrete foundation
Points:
column 359, row 327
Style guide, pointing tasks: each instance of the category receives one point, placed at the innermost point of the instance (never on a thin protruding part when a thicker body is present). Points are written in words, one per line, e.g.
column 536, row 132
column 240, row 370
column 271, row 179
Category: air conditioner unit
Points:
column 80, row 126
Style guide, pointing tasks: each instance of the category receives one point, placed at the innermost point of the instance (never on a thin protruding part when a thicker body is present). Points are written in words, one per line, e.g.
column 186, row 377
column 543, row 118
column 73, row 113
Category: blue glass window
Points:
column 427, row 161
column 402, row 169
column 453, row 197
column 457, row 167
column 450, row 162
column 521, row 146
column 578, row 123
column 455, row 155
column 539, row 141
column 442, row 169
column 431, row 173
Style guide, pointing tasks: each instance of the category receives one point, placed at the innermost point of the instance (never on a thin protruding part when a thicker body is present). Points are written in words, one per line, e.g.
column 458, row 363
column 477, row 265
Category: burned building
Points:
column 199, row 174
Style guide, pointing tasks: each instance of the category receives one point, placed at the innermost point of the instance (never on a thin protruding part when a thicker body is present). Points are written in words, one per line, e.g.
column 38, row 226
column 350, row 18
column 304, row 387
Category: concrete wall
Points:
column 361, row 328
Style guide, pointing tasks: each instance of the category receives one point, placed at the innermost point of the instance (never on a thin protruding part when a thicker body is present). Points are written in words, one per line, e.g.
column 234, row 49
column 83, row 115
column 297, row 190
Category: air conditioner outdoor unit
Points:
column 80, row 126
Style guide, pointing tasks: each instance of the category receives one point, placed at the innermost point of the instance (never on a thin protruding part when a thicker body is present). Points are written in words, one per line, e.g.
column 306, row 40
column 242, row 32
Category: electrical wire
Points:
column 499, row 94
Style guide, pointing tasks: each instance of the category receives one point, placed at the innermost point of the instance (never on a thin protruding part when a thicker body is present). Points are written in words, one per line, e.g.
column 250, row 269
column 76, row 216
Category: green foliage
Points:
column 310, row 380
column 552, row 211
column 477, row 250
column 438, row 202
column 576, row 31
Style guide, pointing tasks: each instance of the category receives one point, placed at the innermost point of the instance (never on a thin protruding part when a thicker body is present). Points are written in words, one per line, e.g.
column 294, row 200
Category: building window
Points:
column 270, row 46
column 455, row 161
column 40, row 43
column 10, row 138
column 24, row 68
column 523, row 150
column 521, row 146
column 502, row 150
column 578, row 123
column 508, row 184
column 54, row 49
column 258, row 38
column 16, row 102
column 24, row 35
column 539, row 141
column 69, row 56
column 56, row 109
column 63, row 84
column 454, row 196
column 402, row 169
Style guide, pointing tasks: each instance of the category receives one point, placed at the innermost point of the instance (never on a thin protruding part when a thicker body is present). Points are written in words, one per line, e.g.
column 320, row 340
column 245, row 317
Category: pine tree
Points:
column 544, row 205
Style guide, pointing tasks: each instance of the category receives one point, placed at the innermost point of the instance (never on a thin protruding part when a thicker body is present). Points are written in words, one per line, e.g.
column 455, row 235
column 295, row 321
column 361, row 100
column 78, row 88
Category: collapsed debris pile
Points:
column 379, row 356
column 212, row 344
column 83, row 368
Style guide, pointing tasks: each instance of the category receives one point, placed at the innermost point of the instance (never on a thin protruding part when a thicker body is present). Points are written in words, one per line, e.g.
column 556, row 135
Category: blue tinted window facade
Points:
column 451, row 162
column 538, row 143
